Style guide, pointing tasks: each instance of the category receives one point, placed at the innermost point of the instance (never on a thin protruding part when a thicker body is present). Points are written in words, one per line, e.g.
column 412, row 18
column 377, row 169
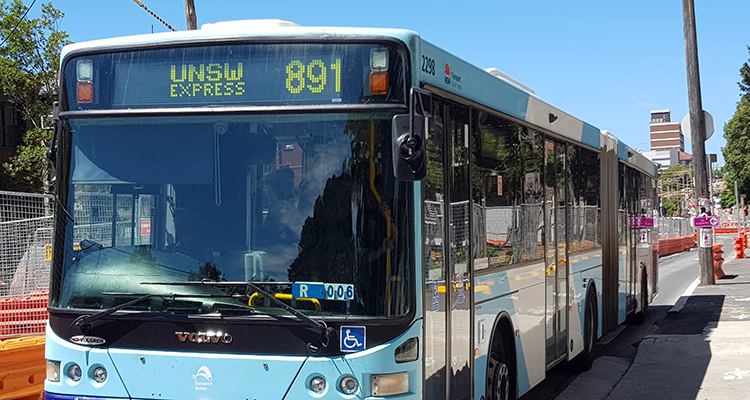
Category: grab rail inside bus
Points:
column 287, row 297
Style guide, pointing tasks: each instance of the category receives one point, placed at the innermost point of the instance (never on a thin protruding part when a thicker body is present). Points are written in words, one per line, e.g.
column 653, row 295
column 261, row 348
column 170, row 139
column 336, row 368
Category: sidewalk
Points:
column 700, row 351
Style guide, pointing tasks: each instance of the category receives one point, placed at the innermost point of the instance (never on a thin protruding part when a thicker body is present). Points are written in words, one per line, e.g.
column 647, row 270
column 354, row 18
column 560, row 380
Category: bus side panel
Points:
column 622, row 291
column 450, row 73
column 585, row 268
column 520, row 293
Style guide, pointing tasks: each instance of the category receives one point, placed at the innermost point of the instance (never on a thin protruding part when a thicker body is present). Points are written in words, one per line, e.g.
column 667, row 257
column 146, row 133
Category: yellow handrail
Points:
column 386, row 215
column 288, row 297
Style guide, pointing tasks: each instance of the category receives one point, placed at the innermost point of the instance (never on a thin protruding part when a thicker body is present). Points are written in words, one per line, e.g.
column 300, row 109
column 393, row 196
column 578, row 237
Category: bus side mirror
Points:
column 408, row 147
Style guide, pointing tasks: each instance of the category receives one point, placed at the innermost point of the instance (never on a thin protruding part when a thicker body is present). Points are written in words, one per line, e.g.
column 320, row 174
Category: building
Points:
column 667, row 141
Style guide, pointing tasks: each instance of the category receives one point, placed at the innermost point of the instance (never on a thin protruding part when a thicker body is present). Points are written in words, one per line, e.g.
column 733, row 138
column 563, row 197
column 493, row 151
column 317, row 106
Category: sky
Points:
column 609, row 63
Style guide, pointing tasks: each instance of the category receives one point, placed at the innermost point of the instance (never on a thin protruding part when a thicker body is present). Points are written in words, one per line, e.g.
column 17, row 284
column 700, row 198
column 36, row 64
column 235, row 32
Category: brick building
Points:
column 667, row 141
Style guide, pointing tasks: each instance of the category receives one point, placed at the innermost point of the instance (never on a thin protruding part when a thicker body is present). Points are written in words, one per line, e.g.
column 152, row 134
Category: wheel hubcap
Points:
column 502, row 379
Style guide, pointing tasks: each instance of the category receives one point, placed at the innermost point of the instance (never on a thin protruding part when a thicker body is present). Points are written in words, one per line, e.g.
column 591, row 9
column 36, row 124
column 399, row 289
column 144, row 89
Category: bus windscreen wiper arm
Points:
column 318, row 326
column 85, row 321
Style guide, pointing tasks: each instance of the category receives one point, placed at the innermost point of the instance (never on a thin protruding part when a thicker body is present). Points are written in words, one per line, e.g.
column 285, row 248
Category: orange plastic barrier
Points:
column 22, row 368
column 675, row 245
column 739, row 249
column 23, row 315
column 718, row 260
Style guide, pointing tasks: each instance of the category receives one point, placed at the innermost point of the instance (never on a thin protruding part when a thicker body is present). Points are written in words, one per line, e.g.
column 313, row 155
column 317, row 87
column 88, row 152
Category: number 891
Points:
column 312, row 76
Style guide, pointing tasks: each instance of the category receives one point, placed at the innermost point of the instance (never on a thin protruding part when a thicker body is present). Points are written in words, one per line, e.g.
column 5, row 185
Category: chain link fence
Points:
column 25, row 258
column 674, row 227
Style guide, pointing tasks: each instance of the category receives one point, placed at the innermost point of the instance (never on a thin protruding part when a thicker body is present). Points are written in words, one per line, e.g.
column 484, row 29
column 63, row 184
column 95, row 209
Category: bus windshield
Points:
column 304, row 206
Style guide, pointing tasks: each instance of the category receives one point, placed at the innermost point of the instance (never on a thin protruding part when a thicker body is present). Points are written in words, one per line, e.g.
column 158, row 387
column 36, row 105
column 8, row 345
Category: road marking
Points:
column 685, row 295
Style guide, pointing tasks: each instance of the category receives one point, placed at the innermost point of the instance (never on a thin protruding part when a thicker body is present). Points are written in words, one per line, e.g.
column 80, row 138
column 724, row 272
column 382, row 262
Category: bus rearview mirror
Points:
column 408, row 147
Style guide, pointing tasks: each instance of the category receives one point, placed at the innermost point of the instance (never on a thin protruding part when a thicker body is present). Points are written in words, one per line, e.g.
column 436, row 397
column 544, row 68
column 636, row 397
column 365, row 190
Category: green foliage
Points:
column 29, row 169
column 744, row 83
column 737, row 135
column 727, row 199
column 29, row 60
column 737, row 151
column 674, row 169
column 669, row 206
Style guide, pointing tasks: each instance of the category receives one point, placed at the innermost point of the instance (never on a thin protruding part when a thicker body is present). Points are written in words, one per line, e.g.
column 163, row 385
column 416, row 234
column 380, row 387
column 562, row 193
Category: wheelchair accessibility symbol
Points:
column 352, row 338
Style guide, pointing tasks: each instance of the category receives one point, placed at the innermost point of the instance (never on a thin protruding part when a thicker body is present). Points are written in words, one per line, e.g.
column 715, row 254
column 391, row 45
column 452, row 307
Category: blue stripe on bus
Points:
column 591, row 136
column 497, row 300
column 622, row 150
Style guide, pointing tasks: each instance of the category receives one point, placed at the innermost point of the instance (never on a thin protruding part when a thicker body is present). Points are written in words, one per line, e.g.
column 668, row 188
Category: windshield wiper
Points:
column 84, row 322
column 318, row 326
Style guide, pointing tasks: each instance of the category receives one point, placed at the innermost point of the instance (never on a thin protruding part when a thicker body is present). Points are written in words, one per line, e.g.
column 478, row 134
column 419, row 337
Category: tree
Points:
column 744, row 83
column 737, row 135
column 727, row 199
column 29, row 59
column 737, row 151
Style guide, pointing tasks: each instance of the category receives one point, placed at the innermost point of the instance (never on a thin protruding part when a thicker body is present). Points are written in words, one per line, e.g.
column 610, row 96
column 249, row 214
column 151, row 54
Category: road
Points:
column 677, row 273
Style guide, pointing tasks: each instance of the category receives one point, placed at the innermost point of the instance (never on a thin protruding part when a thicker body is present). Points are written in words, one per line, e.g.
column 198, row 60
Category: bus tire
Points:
column 583, row 361
column 501, row 369
column 640, row 316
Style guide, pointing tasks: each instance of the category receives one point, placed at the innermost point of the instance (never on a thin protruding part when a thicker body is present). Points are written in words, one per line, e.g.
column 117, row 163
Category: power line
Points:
column 18, row 24
column 153, row 15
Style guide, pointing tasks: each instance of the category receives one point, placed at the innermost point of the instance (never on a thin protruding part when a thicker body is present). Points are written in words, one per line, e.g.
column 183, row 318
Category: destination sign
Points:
column 314, row 79
column 231, row 75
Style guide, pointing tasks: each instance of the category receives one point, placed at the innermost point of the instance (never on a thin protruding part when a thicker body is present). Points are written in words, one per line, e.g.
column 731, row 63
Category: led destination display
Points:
column 226, row 75
column 313, row 79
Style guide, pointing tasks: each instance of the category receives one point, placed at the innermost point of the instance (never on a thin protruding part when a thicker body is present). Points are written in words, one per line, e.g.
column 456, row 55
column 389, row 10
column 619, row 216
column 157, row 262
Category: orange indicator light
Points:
column 379, row 82
column 85, row 92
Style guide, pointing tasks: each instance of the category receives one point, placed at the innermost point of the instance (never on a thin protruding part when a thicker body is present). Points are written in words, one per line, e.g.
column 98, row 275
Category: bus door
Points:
column 556, row 251
column 445, row 229
column 631, row 196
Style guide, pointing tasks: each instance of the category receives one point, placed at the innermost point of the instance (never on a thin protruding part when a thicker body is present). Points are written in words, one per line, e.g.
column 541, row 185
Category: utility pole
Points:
column 698, row 129
column 192, row 24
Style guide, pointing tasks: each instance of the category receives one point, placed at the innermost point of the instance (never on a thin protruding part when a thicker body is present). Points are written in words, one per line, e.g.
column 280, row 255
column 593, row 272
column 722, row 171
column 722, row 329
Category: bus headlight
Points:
column 99, row 374
column 74, row 372
column 318, row 384
column 53, row 371
column 390, row 384
column 349, row 385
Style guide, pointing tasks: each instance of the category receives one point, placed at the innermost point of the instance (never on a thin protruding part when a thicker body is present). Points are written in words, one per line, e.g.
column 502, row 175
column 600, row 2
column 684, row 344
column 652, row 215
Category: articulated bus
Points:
column 260, row 210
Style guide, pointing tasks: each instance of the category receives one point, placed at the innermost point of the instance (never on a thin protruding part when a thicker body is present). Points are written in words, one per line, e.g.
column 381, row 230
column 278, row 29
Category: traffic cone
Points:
column 738, row 248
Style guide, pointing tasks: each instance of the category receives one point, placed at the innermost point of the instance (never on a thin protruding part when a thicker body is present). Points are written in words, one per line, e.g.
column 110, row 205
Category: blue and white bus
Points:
column 260, row 210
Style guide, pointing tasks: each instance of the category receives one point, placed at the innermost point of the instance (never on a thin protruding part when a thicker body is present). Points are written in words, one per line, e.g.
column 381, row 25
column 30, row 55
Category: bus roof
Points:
column 235, row 29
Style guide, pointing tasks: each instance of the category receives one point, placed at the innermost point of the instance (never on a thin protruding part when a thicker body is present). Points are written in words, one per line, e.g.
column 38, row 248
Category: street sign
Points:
column 641, row 222
column 705, row 238
column 704, row 222
column 685, row 125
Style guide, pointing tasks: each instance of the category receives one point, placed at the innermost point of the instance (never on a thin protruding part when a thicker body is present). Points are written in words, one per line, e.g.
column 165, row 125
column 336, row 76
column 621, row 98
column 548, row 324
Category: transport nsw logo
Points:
column 203, row 378
column 451, row 78
column 204, row 337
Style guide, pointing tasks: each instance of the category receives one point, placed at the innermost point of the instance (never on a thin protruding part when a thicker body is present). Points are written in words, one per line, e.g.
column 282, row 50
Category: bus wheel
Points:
column 501, row 376
column 584, row 360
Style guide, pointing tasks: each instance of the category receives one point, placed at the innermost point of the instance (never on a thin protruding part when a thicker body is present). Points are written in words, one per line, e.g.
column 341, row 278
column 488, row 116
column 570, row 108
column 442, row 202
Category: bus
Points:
column 262, row 210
